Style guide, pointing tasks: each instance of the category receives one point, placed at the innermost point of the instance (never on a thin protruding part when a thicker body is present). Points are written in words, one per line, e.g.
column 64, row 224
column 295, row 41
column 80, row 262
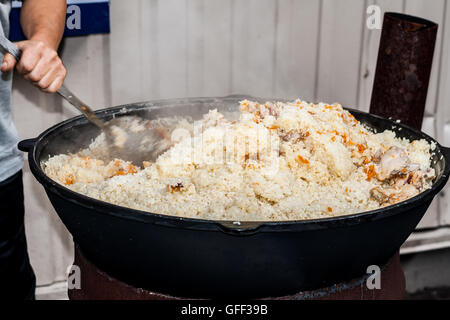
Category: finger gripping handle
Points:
column 10, row 47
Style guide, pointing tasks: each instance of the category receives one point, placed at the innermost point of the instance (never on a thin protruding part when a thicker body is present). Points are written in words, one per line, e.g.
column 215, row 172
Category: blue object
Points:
column 83, row 17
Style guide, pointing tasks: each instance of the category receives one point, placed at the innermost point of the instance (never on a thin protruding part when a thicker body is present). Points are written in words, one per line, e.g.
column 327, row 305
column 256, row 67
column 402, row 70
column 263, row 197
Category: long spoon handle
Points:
column 68, row 95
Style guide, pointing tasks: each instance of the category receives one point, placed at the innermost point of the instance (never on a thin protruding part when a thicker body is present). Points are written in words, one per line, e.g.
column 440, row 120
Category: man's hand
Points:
column 39, row 64
column 42, row 22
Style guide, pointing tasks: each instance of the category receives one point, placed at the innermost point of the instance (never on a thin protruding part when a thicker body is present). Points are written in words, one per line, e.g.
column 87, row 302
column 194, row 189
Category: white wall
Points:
column 318, row 50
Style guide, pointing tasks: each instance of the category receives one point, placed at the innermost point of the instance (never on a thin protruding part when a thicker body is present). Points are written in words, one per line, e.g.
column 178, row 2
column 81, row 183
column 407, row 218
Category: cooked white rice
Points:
column 277, row 162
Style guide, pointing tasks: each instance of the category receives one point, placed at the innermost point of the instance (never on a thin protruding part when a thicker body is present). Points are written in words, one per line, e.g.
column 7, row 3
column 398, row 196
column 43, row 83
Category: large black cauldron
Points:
column 200, row 258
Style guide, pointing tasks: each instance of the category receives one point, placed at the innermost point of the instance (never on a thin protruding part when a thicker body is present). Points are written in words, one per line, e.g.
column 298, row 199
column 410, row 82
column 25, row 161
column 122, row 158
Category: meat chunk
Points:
column 389, row 195
column 396, row 171
column 418, row 178
column 408, row 191
column 274, row 110
column 293, row 136
column 379, row 195
column 392, row 162
column 261, row 110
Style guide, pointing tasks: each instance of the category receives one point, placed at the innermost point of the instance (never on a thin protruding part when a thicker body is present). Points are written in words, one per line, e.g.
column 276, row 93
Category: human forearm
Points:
column 43, row 20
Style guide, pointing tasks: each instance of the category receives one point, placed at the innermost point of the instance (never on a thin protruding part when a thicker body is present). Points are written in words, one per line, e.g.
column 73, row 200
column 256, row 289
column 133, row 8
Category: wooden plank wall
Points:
column 319, row 50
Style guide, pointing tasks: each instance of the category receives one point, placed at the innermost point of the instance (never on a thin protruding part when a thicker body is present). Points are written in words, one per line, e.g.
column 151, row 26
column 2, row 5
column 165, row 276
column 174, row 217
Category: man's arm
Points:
column 43, row 23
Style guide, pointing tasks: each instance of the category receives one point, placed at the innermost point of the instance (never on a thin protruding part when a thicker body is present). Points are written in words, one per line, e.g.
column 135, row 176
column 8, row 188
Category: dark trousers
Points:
column 17, row 279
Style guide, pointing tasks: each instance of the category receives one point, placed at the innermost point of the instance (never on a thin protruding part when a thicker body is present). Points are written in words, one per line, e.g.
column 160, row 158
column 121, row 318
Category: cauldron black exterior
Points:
column 201, row 258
